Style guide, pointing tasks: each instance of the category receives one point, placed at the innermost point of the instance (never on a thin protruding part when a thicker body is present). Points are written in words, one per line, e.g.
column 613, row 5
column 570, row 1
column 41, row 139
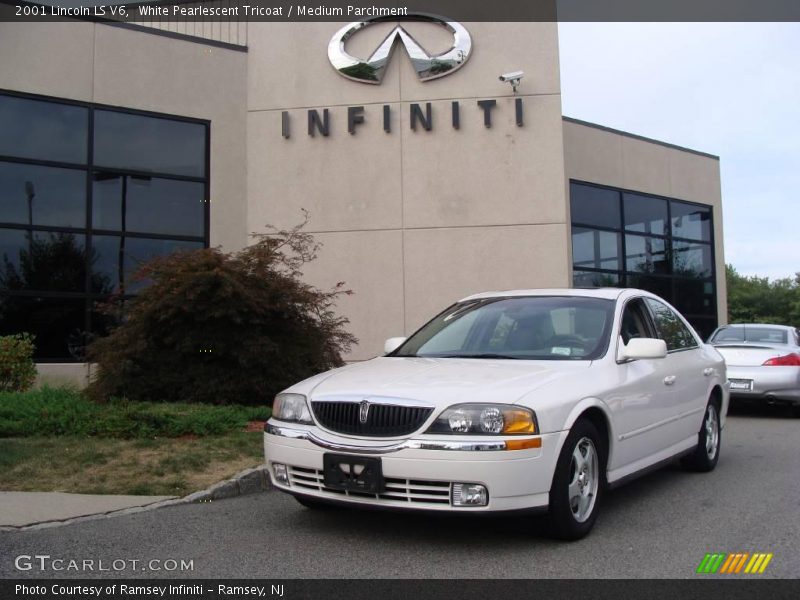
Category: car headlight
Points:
column 485, row 419
column 291, row 407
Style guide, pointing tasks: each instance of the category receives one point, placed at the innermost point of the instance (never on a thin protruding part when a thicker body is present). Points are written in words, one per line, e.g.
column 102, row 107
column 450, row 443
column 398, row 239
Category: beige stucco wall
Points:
column 598, row 155
column 411, row 220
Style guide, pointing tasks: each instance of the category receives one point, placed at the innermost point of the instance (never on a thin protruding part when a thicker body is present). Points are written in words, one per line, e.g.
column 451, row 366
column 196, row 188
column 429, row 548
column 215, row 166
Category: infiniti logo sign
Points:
column 427, row 66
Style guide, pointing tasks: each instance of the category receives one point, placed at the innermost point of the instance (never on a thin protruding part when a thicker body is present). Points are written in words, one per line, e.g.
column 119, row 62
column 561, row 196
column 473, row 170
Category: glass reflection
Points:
column 594, row 206
column 42, row 261
column 691, row 221
column 152, row 144
column 56, row 323
column 645, row 214
column 43, row 130
column 595, row 249
column 645, row 254
column 34, row 195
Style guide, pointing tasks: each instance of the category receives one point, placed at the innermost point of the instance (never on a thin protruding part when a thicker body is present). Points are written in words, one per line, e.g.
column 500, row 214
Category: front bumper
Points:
column 769, row 383
column 419, row 472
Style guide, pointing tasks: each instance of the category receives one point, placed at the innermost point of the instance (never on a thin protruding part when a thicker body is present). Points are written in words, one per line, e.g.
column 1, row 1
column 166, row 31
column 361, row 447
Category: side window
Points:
column 670, row 327
column 634, row 322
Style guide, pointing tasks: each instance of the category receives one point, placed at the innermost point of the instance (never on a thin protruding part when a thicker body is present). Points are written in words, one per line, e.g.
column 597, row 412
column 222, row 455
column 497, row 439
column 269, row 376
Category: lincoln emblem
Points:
column 363, row 411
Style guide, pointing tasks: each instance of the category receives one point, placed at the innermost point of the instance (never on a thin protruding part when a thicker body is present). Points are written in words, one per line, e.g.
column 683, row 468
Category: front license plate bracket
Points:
column 353, row 473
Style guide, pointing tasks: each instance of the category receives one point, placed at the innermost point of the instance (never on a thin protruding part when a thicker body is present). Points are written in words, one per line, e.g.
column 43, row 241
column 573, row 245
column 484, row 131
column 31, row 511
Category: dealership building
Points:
column 425, row 176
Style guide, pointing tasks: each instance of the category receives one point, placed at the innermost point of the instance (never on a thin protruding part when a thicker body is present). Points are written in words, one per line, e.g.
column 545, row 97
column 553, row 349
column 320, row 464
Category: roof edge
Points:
column 638, row 137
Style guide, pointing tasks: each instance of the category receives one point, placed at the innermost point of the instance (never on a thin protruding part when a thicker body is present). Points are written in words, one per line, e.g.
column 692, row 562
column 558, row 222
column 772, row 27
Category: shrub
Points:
column 222, row 328
column 17, row 369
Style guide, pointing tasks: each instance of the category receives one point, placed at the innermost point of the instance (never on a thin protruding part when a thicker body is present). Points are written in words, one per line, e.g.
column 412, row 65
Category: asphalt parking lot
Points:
column 661, row 525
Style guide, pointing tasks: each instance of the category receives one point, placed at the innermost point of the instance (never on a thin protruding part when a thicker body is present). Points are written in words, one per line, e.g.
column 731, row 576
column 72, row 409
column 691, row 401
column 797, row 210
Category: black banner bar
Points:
column 706, row 587
column 356, row 10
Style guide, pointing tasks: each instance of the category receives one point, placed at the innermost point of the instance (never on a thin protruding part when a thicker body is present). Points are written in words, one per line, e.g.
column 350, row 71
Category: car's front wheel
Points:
column 706, row 454
column 578, row 483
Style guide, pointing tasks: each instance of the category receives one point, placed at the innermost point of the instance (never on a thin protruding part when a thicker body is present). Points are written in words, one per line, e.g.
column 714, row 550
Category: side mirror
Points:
column 392, row 344
column 639, row 348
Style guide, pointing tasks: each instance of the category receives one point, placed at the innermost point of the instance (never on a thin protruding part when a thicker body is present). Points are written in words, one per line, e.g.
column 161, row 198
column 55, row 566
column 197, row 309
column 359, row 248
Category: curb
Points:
column 249, row 481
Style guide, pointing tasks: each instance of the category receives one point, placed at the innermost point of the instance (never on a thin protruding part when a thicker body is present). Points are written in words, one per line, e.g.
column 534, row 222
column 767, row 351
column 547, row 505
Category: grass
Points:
column 60, row 411
column 55, row 439
column 153, row 467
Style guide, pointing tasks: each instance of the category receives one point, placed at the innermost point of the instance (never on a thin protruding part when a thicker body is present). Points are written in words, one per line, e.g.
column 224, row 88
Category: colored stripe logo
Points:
column 734, row 563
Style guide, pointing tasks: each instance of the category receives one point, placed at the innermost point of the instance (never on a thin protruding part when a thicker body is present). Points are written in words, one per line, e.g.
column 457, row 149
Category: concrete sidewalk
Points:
column 50, row 509
column 18, row 509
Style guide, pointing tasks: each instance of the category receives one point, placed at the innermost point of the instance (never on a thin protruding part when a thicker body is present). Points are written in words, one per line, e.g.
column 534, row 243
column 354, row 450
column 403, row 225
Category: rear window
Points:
column 765, row 335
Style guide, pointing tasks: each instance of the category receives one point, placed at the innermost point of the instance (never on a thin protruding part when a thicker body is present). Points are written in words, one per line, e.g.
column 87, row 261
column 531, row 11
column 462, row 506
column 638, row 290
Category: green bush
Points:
column 222, row 328
column 59, row 411
column 17, row 369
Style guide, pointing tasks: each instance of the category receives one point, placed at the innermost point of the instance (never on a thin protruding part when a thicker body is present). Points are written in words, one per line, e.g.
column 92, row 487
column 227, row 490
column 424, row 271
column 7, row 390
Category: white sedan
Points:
column 507, row 401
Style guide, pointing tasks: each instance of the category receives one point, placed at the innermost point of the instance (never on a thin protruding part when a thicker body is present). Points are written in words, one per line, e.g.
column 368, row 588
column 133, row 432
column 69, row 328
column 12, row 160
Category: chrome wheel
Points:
column 712, row 432
column 584, row 479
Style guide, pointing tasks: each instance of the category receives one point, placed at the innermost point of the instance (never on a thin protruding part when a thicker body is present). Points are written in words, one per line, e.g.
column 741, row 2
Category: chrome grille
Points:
column 383, row 420
column 397, row 490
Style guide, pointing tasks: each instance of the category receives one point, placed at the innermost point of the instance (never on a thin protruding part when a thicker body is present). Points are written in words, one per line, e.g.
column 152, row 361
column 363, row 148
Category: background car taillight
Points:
column 790, row 360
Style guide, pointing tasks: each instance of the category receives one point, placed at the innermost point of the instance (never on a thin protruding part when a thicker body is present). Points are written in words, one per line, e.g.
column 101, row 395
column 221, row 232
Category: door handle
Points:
column 708, row 371
column 669, row 379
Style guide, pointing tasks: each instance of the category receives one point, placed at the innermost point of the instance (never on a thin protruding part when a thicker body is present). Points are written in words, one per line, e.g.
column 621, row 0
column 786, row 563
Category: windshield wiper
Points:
column 484, row 355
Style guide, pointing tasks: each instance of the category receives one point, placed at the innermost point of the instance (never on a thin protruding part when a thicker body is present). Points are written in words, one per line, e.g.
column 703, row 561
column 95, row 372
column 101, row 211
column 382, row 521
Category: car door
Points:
column 688, row 373
column 642, row 399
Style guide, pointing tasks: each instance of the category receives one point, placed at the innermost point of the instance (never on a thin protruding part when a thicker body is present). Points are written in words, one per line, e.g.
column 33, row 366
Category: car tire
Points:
column 705, row 456
column 579, row 483
column 313, row 503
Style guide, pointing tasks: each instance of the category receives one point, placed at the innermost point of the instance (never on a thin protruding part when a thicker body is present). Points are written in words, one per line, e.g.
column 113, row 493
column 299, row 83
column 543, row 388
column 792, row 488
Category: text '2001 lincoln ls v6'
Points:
column 529, row 399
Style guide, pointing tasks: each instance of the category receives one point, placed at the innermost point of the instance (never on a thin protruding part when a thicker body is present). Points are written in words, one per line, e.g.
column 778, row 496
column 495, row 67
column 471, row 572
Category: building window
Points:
column 87, row 194
column 628, row 239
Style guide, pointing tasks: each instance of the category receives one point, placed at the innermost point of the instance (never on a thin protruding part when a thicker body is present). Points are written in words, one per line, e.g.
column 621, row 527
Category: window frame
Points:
column 90, row 170
column 624, row 276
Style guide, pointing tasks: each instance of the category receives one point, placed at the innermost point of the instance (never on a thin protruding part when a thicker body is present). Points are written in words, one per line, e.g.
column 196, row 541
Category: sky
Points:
column 730, row 89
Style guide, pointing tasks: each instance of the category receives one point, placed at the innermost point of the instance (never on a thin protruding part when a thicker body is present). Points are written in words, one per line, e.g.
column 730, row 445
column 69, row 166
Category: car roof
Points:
column 607, row 293
column 765, row 325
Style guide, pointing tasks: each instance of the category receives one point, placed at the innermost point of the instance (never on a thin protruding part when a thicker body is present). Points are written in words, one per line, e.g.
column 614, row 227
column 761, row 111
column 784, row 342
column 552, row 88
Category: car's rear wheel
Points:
column 578, row 483
column 706, row 454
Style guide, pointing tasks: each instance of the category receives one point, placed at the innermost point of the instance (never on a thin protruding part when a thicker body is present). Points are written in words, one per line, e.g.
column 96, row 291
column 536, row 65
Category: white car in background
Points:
column 507, row 401
column 763, row 361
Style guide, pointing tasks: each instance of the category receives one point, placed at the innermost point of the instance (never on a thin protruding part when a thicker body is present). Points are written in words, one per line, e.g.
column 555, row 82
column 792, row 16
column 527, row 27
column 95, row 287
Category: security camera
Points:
column 511, row 77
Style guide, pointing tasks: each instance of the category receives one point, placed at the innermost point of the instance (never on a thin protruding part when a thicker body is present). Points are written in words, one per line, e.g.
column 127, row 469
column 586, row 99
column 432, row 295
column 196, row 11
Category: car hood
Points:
column 442, row 381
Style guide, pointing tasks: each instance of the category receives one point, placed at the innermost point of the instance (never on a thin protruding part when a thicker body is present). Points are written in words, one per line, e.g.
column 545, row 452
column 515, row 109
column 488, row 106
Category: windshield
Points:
column 530, row 328
column 768, row 335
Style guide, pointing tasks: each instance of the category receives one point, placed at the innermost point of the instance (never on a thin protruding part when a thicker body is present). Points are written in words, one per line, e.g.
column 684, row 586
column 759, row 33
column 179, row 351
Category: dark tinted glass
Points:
column 43, row 130
column 106, row 254
column 661, row 286
column 594, row 206
column 703, row 325
column 691, row 260
column 645, row 214
column 48, row 262
column 107, row 201
column 142, row 143
column 670, row 327
column 165, row 206
column 691, row 221
column 587, row 279
column 57, row 323
column 595, row 249
column 694, row 297
column 42, row 195
column 646, row 254
column 152, row 205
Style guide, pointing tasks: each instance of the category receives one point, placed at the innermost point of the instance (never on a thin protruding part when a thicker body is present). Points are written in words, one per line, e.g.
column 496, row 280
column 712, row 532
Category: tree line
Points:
column 754, row 299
